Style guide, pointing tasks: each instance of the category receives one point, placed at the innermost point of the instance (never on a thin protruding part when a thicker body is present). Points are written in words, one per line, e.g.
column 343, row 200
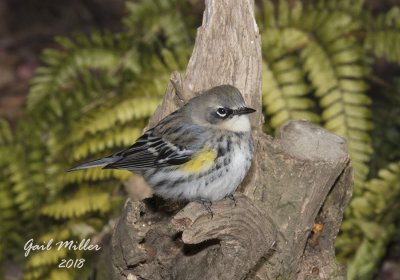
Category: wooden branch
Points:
column 300, row 167
column 300, row 178
column 146, row 248
column 243, row 233
column 319, row 256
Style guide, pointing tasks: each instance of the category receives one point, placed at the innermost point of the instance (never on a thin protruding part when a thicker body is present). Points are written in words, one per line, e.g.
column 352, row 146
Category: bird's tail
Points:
column 95, row 163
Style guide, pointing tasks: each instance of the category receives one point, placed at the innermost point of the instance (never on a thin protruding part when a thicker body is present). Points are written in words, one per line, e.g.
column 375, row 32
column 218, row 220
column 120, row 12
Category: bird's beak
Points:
column 243, row 111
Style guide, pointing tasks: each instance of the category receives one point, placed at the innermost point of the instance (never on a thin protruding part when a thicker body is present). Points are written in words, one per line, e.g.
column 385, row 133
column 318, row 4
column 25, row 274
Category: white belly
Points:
column 227, row 182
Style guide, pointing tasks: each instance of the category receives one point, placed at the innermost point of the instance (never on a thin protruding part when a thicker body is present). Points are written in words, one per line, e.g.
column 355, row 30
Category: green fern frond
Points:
column 285, row 92
column 369, row 254
column 150, row 20
column 79, row 204
column 387, row 189
column 6, row 136
column 44, row 258
column 8, row 211
column 56, row 233
column 339, row 88
column 383, row 37
column 122, row 112
column 25, row 179
column 373, row 215
column 315, row 47
column 39, row 262
column 353, row 6
column 51, row 79
column 318, row 46
column 386, row 133
column 63, row 68
column 121, row 137
column 95, row 174
column 266, row 17
column 335, row 70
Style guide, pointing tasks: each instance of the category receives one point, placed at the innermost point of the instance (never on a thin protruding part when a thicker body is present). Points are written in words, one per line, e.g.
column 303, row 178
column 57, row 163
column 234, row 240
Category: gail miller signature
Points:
column 83, row 245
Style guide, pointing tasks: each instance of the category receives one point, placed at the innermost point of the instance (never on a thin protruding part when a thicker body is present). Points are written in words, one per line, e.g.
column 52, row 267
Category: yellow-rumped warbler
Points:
column 200, row 152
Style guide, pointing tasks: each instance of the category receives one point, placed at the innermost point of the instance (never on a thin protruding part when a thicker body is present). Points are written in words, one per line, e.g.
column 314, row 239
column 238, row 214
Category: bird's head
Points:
column 221, row 107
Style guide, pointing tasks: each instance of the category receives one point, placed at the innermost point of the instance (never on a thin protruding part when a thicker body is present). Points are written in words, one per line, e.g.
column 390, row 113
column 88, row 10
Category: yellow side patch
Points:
column 201, row 161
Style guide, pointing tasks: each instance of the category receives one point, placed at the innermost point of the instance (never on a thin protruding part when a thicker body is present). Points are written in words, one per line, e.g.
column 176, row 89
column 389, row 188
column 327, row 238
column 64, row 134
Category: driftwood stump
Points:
column 289, row 207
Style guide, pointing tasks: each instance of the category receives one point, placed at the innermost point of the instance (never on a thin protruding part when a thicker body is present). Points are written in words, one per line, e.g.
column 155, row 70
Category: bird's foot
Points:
column 207, row 204
column 230, row 196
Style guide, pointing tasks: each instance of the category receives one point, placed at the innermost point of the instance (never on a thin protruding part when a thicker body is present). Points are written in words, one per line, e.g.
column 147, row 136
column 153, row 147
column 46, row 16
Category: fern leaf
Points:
column 95, row 174
column 284, row 88
column 121, row 113
column 267, row 18
column 336, row 75
column 283, row 13
column 123, row 137
column 6, row 136
column 149, row 19
column 372, row 215
column 44, row 258
column 81, row 203
column 64, row 67
column 364, row 266
column 318, row 46
column 383, row 38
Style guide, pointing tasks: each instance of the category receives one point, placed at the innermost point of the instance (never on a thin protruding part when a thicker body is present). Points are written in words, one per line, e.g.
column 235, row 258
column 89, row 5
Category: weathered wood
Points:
column 319, row 257
column 301, row 165
column 300, row 177
column 148, row 244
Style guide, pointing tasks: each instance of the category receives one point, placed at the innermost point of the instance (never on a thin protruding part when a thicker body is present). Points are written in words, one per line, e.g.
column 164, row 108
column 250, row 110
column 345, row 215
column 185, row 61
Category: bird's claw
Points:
column 207, row 204
column 230, row 196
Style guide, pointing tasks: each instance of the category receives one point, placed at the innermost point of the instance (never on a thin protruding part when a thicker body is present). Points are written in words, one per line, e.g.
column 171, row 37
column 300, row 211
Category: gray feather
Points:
column 99, row 162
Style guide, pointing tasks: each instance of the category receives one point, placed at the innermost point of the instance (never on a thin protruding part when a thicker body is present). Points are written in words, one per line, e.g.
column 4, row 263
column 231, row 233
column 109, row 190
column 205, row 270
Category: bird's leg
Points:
column 207, row 204
column 230, row 196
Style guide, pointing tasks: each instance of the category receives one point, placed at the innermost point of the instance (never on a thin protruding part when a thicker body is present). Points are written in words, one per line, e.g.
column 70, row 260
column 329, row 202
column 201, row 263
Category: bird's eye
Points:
column 221, row 112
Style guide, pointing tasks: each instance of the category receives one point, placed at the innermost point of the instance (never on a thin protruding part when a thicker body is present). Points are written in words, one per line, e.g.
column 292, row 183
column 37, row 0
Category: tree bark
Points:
column 290, row 205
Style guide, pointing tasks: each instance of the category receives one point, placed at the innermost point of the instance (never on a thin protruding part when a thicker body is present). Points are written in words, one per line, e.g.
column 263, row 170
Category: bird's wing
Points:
column 160, row 149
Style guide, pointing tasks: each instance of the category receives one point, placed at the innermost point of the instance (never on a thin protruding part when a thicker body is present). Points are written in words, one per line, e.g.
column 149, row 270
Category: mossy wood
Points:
column 298, row 179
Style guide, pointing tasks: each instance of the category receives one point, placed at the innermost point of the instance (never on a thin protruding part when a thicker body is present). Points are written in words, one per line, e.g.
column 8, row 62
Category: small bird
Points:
column 201, row 152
